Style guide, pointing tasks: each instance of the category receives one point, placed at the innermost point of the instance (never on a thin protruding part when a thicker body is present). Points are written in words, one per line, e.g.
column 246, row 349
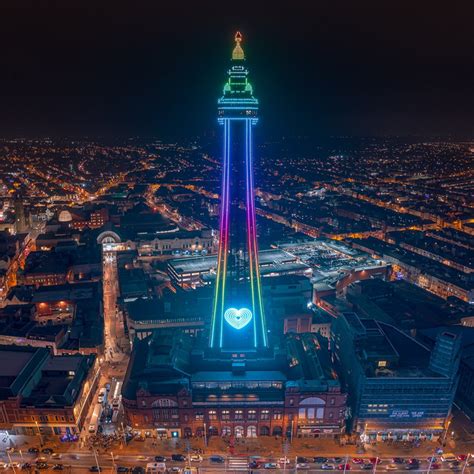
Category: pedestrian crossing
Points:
column 238, row 464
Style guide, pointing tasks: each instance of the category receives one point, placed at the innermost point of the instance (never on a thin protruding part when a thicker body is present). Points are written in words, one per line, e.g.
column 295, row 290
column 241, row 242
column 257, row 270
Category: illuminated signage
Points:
column 238, row 318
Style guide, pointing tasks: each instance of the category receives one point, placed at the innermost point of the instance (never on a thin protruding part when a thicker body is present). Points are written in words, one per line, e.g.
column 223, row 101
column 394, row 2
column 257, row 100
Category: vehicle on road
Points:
column 284, row 460
column 435, row 465
column 33, row 450
column 271, row 465
column 413, row 466
column 102, row 398
column 391, row 467
column 122, row 469
column 328, row 467
column 178, row 457
column 357, row 460
column 26, row 466
column 47, row 451
column 95, row 469
column 155, row 468
column 367, row 466
column 398, row 461
column 320, row 460
column 58, row 467
column 41, row 465
column 448, row 457
column 302, row 465
column 195, row 458
column 302, row 459
column 56, row 456
column 96, row 414
column 215, row 458
column 462, row 457
column 344, row 467
column 142, row 458
column 375, row 461
column 160, row 459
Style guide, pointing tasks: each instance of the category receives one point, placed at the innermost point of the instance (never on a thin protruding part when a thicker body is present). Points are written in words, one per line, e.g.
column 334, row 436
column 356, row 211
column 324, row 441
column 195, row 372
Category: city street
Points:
column 115, row 340
column 77, row 461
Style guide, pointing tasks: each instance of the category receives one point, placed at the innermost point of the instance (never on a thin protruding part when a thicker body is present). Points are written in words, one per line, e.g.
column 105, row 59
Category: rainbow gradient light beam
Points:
column 237, row 112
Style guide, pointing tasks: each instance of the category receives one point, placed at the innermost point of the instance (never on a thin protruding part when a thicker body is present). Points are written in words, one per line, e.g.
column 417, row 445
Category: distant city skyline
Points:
column 357, row 69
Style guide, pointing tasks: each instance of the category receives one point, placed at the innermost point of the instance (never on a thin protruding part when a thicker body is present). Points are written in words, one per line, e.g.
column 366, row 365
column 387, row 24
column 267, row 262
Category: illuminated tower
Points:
column 238, row 320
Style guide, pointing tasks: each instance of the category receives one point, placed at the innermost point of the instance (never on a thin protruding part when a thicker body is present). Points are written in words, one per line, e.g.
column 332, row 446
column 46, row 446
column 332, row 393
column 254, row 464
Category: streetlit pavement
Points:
column 79, row 461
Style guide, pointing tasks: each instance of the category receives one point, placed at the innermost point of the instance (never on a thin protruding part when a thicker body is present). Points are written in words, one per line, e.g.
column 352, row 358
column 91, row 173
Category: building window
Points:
column 252, row 415
column 225, row 414
column 239, row 415
column 265, row 415
column 212, row 415
column 277, row 415
column 199, row 416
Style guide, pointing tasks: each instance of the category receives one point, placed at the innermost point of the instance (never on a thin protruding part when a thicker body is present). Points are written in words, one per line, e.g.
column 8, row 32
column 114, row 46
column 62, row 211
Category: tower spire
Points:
column 238, row 52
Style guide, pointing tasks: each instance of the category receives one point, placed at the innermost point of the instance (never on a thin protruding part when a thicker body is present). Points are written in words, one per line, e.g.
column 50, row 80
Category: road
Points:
column 115, row 339
column 81, row 462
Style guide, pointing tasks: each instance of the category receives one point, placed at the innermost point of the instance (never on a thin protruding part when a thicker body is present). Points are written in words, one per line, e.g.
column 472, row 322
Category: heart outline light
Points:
column 238, row 318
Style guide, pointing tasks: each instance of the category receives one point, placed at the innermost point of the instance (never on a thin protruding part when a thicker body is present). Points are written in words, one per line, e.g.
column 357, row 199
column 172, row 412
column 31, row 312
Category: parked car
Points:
column 160, row 459
column 344, row 467
column 328, row 467
column 320, row 460
column 302, row 465
column 47, row 451
column 33, row 450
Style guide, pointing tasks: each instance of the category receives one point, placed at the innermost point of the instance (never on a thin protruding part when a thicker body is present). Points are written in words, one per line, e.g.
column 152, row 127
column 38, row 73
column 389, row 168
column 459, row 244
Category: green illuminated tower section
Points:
column 238, row 320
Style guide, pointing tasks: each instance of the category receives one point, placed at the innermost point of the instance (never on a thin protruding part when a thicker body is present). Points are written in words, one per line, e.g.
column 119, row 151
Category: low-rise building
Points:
column 397, row 388
column 43, row 394
column 172, row 386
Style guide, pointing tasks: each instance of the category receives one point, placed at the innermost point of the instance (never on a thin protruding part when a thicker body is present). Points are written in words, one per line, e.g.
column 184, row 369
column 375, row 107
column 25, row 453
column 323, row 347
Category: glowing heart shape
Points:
column 238, row 318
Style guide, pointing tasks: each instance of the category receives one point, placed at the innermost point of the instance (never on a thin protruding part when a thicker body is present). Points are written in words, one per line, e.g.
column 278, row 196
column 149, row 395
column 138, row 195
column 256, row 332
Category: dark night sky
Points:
column 318, row 68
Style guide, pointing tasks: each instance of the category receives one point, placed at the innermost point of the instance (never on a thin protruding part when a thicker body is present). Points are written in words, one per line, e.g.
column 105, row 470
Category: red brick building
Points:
column 168, row 390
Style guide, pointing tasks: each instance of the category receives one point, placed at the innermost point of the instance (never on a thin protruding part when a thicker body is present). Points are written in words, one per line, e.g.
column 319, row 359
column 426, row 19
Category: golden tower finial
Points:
column 238, row 53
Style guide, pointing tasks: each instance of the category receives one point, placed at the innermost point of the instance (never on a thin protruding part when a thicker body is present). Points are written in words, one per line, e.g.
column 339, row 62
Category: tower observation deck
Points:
column 238, row 320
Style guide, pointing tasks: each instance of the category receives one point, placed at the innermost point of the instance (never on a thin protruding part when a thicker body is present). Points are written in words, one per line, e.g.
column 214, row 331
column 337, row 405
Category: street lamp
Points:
column 11, row 463
column 205, row 435
column 446, row 432
column 113, row 461
column 39, row 433
column 465, row 464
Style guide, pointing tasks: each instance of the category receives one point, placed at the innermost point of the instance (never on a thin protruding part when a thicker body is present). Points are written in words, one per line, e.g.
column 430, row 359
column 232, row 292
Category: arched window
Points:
column 312, row 401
